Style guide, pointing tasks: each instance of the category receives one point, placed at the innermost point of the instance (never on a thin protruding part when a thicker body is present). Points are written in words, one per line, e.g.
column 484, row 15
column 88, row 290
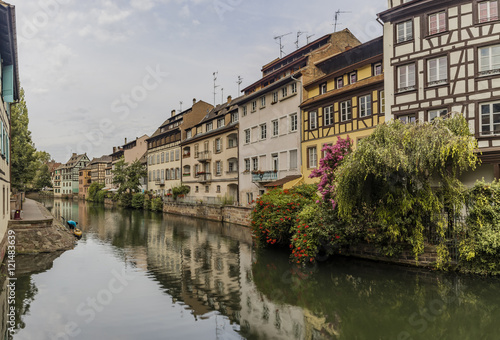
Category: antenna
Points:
column 308, row 37
column 240, row 80
column 180, row 110
column 215, row 86
column 279, row 37
column 299, row 33
column 337, row 14
column 222, row 95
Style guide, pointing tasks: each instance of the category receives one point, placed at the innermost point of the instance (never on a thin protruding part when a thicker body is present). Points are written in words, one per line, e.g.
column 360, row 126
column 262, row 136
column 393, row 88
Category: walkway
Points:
column 32, row 212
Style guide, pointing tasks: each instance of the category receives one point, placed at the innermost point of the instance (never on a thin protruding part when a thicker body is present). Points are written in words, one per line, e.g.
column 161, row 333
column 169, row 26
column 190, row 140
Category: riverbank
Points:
column 39, row 232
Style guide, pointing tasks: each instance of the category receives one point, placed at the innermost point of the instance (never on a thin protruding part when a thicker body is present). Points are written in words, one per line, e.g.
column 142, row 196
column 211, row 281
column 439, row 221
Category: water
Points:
column 141, row 275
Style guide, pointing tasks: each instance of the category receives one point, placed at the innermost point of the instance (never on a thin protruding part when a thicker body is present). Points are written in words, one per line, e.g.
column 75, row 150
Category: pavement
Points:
column 32, row 212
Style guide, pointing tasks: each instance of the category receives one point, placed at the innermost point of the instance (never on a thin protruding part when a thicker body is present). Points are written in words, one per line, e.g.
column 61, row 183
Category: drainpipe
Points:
column 299, row 154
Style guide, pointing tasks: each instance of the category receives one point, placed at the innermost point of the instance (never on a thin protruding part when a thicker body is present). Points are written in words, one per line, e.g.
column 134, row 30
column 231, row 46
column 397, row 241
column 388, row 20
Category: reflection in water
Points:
column 194, row 279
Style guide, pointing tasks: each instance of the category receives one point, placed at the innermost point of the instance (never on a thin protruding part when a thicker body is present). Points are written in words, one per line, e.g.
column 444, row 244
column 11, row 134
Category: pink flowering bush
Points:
column 334, row 155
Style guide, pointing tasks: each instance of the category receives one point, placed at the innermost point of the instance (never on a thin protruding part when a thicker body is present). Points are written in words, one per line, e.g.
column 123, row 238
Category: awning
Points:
column 280, row 182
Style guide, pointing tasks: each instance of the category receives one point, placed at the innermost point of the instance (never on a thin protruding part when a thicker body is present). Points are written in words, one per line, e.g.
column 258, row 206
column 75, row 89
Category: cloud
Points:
column 185, row 12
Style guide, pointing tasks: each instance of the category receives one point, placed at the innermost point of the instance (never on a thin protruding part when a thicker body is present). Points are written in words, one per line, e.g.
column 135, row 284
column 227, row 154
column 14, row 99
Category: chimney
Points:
column 229, row 98
column 348, row 47
column 194, row 101
column 125, row 141
column 74, row 154
column 114, row 149
column 173, row 113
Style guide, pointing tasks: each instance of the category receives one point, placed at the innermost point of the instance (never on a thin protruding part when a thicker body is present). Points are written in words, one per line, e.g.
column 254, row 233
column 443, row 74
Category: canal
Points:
column 142, row 275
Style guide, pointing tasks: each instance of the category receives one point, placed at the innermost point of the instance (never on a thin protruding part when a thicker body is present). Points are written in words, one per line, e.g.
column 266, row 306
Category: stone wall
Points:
column 230, row 214
column 366, row 251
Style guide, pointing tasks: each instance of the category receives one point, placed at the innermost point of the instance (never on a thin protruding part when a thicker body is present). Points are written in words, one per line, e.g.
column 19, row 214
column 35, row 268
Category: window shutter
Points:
column 8, row 83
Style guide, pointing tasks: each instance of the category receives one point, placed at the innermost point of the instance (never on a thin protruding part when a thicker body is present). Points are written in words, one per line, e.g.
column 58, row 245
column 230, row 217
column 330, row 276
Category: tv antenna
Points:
column 279, row 37
column 337, row 15
column 180, row 110
column 240, row 80
column 222, row 95
column 308, row 37
column 215, row 86
column 299, row 33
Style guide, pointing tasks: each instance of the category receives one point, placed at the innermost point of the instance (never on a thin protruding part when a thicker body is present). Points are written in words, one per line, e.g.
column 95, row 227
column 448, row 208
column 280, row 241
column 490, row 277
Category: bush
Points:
column 92, row 193
column 157, row 204
column 181, row 190
column 480, row 238
column 138, row 201
column 101, row 194
column 147, row 202
column 275, row 213
column 126, row 200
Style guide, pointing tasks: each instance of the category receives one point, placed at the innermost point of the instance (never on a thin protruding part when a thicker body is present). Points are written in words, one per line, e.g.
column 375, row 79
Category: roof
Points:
column 135, row 140
column 102, row 159
column 73, row 160
column 210, row 133
column 271, row 87
column 221, row 109
column 282, row 181
column 414, row 7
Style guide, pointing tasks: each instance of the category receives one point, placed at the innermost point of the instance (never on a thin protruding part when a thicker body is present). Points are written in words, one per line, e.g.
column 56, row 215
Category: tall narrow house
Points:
column 444, row 57
column 10, row 94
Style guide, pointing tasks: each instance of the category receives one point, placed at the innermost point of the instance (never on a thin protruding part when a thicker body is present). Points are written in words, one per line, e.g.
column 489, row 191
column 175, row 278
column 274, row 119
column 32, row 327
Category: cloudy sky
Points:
column 96, row 72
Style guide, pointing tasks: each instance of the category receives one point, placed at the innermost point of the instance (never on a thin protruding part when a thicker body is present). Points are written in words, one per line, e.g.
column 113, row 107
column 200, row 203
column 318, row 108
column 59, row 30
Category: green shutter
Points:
column 8, row 83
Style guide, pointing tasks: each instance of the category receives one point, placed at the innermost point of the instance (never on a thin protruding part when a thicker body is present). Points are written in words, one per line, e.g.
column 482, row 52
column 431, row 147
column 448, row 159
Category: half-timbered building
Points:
column 443, row 57
column 346, row 100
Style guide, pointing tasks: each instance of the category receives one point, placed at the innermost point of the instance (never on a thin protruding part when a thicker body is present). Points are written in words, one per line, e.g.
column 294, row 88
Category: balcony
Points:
column 204, row 177
column 203, row 156
column 160, row 182
column 264, row 176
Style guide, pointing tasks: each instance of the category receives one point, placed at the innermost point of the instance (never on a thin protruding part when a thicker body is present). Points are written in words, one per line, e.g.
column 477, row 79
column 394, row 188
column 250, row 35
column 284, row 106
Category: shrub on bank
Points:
column 157, row 204
column 138, row 201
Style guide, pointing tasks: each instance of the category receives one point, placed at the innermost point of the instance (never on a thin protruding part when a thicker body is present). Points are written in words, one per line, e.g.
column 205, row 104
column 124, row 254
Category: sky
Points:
column 98, row 71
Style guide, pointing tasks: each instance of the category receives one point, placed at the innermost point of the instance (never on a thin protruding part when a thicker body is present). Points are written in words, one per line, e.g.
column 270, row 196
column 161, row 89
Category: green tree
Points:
column 92, row 193
column 120, row 175
column 134, row 173
column 24, row 160
column 42, row 178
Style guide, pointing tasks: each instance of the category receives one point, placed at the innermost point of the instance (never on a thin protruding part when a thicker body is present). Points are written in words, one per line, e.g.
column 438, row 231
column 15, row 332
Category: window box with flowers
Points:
column 186, row 155
column 186, row 174
column 200, row 173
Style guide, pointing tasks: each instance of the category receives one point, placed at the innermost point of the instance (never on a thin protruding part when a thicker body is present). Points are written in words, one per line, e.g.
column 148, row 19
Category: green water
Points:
column 141, row 275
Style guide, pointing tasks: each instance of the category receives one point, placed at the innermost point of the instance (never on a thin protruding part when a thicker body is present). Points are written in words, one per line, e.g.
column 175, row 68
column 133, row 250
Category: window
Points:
column 293, row 159
column 406, row 77
column 244, row 111
column 166, row 157
column 382, row 102
column 322, row 88
column 345, row 110
column 255, row 163
column 262, row 102
column 218, row 145
column 247, row 136
column 263, row 131
column 406, row 119
column 294, row 88
column 177, row 154
column 328, row 115
column 218, row 168
column 254, row 106
column 162, row 158
column 490, row 118
column 293, row 122
column 249, row 197
column 404, row 31
column 275, row 97
column 234, row 117
column 207, row 188
column 437, row 23
column 437, row 69
column 208, row 127
column 313, row 120
column 232, row 142
column 218, row 189
column 233, row 166
column 275, row 161
column 365, row 106
column 488, row 11
column 158, row 158
column 275, row 128
column 353, row 77
column 247, row 164
column 433, row 114
column 377, row 69
column 340, row 82
column 489, row 60
column 220, row 122
column 312, row 157
column 284, row 92
column 196, row 189
column 189, row 134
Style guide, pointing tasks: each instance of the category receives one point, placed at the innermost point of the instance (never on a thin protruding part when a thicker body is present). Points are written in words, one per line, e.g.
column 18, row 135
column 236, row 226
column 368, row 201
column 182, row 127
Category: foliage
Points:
column 157, row 204
column 120, row 174
column 275, row 213
column 480, row 238
column 404, row 176
column 93, row 192
column 333, row 157
column 23, row 157
column 138, row 201
column 180, row 190
column 128, row 178
column 125, row 199
column 42, row 178
column 134, row 173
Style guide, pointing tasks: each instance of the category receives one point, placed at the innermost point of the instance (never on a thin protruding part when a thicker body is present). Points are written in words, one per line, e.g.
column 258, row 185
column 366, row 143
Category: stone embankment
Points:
column 39, row 232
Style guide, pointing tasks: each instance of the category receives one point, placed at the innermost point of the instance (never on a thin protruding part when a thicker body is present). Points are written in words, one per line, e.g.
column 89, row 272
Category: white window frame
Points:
column 275, row 97
column 313, row 120
column 491, row 11
column 284, row 92
column 433, row 114
column 255, row 163
column 247, row 136
column 322, row 88
column 490, row 116
column 221, row 122
column 328, row 115
column 263, row 131
column 294, row 88
column 345, row 110
column 404, row 31
column 247, row 164
column 275, row 125
column 489, row 60
column 406, row 80
column 254, row 105
column 365, row 105
column 439, row 19
column 262, row 102
column 377, row 69
column 208, row 127
column 244, row 111
column 294, row 123
column 437, row 71
column 312, row 157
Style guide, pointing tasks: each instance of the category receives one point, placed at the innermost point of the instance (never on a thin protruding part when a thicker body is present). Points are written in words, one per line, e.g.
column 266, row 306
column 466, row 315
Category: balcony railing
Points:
column 264, row 176
column 160, row 182
column 204, row 177
column 203, row 156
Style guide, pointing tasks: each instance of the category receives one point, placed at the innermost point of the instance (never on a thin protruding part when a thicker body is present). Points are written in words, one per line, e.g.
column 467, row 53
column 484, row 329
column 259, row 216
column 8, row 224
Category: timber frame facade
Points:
column 443, row 57
column 348, row 100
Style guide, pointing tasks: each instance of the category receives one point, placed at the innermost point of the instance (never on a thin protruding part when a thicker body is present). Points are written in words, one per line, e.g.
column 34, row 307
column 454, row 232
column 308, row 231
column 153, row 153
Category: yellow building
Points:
column 347, row 99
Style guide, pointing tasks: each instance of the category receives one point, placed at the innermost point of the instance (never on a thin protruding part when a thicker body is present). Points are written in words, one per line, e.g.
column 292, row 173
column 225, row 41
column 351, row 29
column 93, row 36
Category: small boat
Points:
column 77, row 232
column 72, row 227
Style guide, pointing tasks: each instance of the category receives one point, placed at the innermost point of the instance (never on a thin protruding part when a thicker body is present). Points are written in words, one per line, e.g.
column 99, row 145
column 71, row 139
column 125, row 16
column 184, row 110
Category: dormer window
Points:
column 208, row 127
column 322, row 88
